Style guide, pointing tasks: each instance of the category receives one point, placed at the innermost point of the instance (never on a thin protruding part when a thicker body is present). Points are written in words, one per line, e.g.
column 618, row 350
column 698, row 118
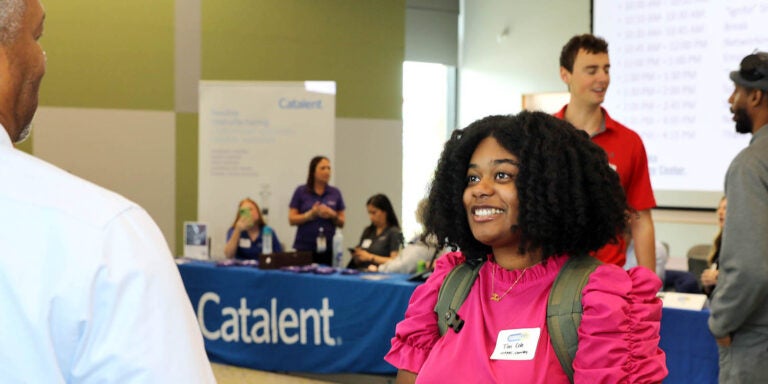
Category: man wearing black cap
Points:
column 739, row 319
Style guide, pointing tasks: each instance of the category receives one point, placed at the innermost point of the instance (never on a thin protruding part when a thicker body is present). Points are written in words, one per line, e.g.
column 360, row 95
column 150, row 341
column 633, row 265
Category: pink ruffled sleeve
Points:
column 619, row 332
column 418, row 332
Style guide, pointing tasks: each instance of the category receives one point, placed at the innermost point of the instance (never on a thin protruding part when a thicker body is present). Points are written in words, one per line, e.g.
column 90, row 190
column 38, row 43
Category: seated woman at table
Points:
column 382, row 240
column 421, row 248
column 687, row 282
column 709, row 275
column 519, row 196
column 250, row 227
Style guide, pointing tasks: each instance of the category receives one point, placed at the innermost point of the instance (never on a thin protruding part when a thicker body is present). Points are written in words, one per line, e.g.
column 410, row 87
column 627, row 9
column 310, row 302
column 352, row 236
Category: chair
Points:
column 697, row 259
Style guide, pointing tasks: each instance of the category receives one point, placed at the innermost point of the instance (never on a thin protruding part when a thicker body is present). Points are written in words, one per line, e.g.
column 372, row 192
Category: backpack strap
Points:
column 564, row 308
column 452, row 294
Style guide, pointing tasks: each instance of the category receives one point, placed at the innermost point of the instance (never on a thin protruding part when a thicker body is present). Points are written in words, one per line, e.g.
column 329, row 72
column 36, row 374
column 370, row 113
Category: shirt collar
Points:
column 606, row 124
column 312, row 191
column 761, row 133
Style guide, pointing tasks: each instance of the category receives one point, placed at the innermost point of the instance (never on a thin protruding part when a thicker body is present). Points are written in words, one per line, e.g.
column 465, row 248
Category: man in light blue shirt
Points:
column 89, row 292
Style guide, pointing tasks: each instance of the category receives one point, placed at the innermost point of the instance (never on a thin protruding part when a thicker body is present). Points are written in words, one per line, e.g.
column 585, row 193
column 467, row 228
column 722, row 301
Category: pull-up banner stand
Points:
column 256, row 140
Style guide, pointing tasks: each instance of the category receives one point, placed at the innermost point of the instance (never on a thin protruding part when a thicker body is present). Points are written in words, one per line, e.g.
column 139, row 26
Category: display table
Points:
column 691, row 350
column 303, row 322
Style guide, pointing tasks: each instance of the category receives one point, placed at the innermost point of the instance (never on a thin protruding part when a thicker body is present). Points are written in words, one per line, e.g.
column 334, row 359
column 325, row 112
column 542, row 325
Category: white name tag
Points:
column 245, row 243
column 366, row 243
column 516, row 344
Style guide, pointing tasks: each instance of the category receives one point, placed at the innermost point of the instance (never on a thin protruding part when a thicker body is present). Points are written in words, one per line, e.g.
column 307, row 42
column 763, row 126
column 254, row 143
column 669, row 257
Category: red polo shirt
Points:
column 626, row 155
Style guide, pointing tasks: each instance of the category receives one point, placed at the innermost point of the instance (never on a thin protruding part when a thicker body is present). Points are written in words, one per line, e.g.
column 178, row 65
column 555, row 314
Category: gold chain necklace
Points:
column 495, row 296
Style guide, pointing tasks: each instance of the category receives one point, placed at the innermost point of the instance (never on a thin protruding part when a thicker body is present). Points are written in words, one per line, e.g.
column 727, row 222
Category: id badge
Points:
column 244, row 243
column 516, row 344
column 320, row 244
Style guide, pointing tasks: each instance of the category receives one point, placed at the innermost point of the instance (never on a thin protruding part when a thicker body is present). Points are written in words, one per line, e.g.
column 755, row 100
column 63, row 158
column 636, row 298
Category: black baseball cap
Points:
column 753, row 71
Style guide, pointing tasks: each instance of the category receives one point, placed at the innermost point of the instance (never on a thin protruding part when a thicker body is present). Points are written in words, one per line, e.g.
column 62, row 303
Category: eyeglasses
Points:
column 754, row 67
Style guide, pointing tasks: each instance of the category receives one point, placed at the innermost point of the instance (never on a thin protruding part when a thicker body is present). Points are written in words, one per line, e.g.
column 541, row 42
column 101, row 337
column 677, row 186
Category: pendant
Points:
column 495, row 297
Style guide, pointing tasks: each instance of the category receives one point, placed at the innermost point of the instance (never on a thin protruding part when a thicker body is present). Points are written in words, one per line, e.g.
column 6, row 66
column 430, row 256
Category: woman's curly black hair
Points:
column 570, row 200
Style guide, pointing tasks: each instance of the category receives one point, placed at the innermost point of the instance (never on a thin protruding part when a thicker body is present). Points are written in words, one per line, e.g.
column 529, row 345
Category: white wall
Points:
column 369, row 156
column 512, row 47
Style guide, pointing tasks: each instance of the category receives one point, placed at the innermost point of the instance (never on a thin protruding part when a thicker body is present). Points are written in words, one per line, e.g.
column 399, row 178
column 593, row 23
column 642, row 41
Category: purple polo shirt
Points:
column 303, row 199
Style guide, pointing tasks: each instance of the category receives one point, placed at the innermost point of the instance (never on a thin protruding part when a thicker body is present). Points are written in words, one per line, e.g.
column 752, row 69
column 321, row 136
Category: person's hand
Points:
column 356, row 253
column 709, row 277
column 326, row 212
column 723, row 341
column 373, row 268
column 244, row 223
column 313, row 212
column 361, row 256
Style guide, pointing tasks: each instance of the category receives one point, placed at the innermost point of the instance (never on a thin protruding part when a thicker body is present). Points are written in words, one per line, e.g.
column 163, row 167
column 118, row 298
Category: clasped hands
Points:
column 323, row 211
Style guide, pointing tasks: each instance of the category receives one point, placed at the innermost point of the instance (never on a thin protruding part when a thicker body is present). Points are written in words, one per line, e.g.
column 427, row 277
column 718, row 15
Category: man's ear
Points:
column 756, row 97
column 565, row 75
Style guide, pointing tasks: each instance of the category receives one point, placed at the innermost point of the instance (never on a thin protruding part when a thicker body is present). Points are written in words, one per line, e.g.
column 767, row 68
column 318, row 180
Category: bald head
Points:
column 11, row 14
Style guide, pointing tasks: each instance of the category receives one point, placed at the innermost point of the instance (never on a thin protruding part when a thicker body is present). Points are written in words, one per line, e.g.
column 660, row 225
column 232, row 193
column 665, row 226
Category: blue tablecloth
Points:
column 302, row 322
column 285, row 321
column 691, row 350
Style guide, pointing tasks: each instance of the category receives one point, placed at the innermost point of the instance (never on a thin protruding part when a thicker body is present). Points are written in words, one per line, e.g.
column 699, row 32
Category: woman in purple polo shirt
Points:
column 317, row 209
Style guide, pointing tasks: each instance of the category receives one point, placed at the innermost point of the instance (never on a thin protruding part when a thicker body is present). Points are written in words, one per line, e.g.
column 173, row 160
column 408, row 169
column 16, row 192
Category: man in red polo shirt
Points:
column 584, row 67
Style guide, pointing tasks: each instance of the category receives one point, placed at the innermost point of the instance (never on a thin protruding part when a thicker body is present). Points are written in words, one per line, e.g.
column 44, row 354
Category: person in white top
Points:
column 420, row 248
column 89, row 292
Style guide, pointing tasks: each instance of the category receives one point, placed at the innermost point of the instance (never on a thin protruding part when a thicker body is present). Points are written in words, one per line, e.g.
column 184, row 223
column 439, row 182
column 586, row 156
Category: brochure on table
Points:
column 690, row 301
column 196, row 240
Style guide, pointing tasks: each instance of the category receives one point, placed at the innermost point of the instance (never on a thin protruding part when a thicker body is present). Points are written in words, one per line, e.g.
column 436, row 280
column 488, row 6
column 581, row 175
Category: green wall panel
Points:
column 109, row 54
column 186, row 174
column 358, row 43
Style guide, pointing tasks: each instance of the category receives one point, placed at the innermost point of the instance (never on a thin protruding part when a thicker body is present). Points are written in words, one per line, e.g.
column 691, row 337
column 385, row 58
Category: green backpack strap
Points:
column 452, row 294
column 564, row 308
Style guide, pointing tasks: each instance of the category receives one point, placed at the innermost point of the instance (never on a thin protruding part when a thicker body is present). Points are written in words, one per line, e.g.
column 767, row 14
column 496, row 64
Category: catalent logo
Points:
column 271, row 325
column 515, row 337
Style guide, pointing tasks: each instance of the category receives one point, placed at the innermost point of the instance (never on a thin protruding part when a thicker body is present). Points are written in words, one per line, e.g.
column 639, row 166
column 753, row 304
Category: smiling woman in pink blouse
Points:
column 523, row 194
